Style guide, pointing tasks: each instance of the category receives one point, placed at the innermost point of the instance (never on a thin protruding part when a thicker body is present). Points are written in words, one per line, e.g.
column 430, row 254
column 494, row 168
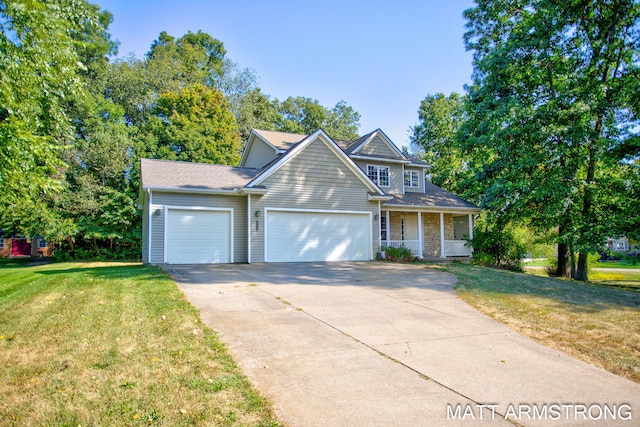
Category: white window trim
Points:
column 377, row 180
column 412, row 174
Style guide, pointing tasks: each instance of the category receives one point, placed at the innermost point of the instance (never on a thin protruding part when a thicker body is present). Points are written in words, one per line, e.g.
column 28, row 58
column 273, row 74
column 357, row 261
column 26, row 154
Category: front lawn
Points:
column 600, row 264
column 113, row 344
column 598, row 324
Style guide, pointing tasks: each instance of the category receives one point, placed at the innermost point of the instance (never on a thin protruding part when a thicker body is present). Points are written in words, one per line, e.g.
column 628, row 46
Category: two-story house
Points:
column 297, row 198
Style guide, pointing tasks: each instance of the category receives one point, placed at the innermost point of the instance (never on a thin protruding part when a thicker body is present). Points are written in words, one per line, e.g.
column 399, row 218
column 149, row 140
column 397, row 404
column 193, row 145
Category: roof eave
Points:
column 419, row 165
column 445, row 209
column 195, row 190
column 376, row 197
column 260, row 191
column 380, row 159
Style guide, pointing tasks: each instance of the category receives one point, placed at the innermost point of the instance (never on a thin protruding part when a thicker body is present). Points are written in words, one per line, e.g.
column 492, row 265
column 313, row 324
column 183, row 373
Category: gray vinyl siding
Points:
column 237, row 203
column 377, row 147
column 396, row 175
column 420, row 189
column 314, row 179
column 260, row 154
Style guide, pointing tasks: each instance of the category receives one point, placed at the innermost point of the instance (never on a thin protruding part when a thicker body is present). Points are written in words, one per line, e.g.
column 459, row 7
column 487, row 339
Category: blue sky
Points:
column 380, row 57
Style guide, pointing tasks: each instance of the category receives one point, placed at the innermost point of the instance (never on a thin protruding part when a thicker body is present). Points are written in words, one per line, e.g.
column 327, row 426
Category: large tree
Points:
column 552, row 100
column 305, row 115
column 194, row 125
column 42, row 46
column 440, row 118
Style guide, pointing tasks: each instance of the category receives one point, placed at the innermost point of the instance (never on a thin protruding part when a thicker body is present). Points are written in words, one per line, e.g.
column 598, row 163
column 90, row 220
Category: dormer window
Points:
column 412, row 179
column 378, row 174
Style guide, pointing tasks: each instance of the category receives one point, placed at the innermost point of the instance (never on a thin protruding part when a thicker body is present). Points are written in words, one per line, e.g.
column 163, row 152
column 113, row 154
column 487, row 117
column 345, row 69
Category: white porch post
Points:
column 442, row 252
column 249, row 217
column 378, row 227
column 387, row 225
column 420, row 235
column 470, row 226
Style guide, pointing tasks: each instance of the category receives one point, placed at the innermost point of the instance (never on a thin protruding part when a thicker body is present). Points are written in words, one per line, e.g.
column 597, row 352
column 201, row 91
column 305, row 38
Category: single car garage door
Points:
column 198, row 236
column 317, row 236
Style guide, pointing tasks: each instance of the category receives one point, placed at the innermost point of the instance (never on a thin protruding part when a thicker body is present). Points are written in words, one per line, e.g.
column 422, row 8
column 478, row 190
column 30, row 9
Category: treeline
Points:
column 74, row 121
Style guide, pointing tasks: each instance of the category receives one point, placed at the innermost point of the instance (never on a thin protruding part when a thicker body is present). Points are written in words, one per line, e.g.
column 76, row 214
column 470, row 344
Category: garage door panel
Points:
column 198, row 236
column 317, row 236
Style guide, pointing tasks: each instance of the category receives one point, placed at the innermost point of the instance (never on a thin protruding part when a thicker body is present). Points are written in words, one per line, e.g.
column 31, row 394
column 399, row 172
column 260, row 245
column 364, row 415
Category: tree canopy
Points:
column 42, row 45
column 553, row 119
column 440, row 118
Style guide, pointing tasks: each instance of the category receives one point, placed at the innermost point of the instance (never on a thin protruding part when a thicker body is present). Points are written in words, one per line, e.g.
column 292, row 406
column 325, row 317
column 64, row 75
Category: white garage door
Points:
column 198, row 236
column 317, row 236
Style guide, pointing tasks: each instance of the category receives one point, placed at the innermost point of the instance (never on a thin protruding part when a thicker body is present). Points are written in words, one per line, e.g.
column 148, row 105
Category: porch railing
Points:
column 412, row 245
column 457, row 248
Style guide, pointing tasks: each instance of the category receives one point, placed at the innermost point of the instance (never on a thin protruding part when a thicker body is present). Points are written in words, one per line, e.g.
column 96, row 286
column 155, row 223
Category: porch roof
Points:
column 433, row 197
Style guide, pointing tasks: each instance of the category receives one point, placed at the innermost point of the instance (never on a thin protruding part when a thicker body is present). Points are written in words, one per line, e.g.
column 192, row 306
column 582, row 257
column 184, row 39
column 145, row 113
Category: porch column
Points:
column 470, row 226
column 388, row 227
column 420, row 235
column 442, row 252
column 249, row 218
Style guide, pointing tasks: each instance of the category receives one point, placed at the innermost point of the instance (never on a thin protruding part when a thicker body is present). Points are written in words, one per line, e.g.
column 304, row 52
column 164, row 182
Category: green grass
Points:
column 598, row 324
column 603, row 264
column 113, row 344
column 617, row 264
column 538, row 263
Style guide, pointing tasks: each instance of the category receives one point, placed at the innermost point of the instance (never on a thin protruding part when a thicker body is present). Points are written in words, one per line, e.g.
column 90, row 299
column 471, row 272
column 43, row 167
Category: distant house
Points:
column 297, row 198
column 620, row 244
column 23, row 247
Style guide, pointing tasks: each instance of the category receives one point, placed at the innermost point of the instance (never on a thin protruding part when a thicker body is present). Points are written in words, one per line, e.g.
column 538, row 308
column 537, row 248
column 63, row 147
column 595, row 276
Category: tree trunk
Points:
column 70, row 241
column 573, row 262
column 564, row 265
column 582, row 273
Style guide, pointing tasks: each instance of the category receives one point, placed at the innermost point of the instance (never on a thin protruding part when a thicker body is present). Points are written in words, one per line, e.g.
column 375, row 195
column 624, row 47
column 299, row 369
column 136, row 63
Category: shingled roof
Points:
column 433, row 196
column 280, row 140
column 349, row 146
column 186, row 175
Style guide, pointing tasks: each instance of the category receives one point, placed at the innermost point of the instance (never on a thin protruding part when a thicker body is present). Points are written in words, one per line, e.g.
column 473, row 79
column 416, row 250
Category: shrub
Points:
column 402, row 254
column 497, row 248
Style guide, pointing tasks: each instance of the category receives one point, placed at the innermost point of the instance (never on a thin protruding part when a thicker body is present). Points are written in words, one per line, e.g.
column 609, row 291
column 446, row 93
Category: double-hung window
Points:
column 411, row 179
column 378, row 174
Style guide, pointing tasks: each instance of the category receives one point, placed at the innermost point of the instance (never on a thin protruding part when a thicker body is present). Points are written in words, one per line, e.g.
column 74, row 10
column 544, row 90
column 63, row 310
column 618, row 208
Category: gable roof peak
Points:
column 361, row 142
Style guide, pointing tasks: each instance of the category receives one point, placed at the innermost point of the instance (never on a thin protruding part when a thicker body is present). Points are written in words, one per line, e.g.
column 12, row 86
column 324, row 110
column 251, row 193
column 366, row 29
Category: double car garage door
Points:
column 317, row 236
column 206, row 236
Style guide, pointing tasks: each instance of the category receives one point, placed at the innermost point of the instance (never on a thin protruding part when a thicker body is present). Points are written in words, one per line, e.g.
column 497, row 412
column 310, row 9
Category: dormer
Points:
column 264, row 146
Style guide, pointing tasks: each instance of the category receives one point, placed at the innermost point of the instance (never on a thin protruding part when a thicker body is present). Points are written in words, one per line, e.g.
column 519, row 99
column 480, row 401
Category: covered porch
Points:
column 427, row 233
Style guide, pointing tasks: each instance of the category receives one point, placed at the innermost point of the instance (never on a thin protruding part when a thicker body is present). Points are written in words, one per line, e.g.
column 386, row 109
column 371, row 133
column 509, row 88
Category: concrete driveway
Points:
column 379, row 344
